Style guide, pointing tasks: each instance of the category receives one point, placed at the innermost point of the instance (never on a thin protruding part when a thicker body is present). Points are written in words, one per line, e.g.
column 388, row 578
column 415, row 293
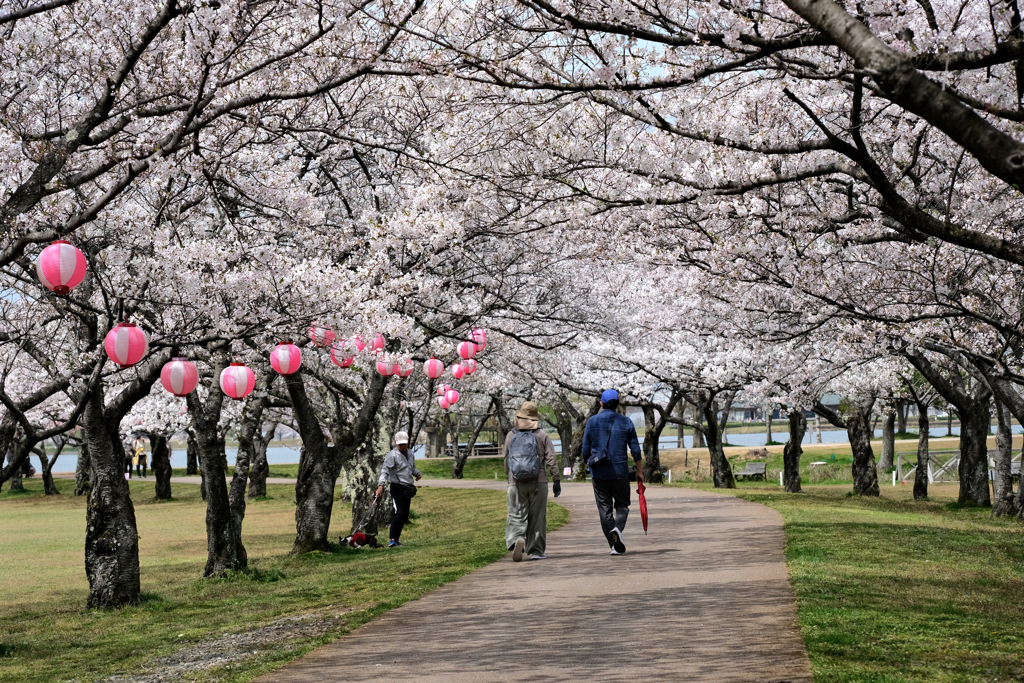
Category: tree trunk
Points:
column 191, row 457
column 260, row 467
column 699, row 436
column 721, row 471
column 82, row 470
column 885, row 463
column 923, row 458
column 865, row 474
column 224, row 550
column 161, row 461
column 46, row 470
column 652, row 437
column 974, row 429
column 369, row 458
column 111, row 534
column 902, row 408
column 768, row 413
column 459, row 462
column 579, row 468
column 726, row 409
column 16, row 483
column 793, row 450
column 1003, row 502
column 949, row 422
column 817, row 428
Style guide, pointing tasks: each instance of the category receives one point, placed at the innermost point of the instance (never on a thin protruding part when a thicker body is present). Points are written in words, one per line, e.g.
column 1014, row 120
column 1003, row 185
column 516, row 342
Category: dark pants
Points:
column 609, row 494
column 402, row 501
column 141, row 467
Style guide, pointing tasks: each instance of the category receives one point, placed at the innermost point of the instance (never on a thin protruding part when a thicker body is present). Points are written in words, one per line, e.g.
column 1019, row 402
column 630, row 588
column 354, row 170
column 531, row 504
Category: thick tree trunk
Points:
column 885, row 463
column 111, row 534
column 902, row 407
column 865, row 474
column 191, row 457
column 1003, row 502
column 721, row 471
column 699, row 433
column 726, row 409
column 974, row 430
column 260, row 468
column 652, row 436
column 459, row 462
column 369, row 458
column 161, row 461
column 16, row 483
column 579, row 468
column 817, row 428
column 793, row 450
column 82, row 470
column 224, row 549
column 46, row 470
column 768, row 413
column 923, row 458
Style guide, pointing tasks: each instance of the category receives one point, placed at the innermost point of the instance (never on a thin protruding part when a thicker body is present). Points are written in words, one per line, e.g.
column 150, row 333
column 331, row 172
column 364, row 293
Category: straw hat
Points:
column 528, row 411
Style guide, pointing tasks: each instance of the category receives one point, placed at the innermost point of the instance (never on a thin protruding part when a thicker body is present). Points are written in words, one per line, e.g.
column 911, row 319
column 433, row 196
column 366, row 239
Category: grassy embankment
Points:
column 894, row 590
column 46, row 634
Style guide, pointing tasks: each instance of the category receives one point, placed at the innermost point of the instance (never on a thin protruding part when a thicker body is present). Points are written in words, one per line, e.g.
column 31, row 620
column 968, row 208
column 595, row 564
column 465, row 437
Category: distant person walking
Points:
column 528, row 454
column 128, row 458
column 400, row 471
column 141, row 459
column 605, row 440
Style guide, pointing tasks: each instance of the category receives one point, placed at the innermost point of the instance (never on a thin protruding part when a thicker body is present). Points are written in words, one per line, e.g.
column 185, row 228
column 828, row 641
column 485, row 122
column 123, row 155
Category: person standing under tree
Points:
column 400, row 471
column 528, row 452
column 141, row 459
column 605, row 440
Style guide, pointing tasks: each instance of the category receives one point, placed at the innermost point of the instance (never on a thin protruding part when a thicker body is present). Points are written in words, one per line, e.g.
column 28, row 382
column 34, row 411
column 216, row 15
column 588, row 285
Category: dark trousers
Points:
column 612, row 494
column 401, row 500
column 141, row 467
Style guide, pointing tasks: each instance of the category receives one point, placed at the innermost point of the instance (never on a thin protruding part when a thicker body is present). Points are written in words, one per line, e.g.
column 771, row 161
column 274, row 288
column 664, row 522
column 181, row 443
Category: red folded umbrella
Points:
column 640, row 488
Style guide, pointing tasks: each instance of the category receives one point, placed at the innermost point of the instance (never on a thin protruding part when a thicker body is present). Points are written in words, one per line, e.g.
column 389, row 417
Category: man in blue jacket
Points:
column 605, row 440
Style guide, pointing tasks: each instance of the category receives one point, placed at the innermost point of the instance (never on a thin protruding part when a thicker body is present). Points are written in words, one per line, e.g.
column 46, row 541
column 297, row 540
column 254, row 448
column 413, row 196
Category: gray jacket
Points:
column 399, row 468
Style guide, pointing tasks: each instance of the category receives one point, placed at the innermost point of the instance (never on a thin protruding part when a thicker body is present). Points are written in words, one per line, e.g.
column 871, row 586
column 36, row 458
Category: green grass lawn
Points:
column 894, row 590
column 47, row 635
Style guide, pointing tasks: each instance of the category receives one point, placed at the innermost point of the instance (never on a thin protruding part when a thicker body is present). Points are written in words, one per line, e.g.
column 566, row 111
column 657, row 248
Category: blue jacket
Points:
column 618, row 432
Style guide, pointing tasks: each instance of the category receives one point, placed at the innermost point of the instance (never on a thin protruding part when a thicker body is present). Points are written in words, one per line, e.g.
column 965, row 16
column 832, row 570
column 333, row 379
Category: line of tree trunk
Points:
column 579, row 468
column 1003, row 502
column 160, row 461
column 857, row 424
column 82, row 468
column 721, row 471
column 923, row 457
column 885, row 462
column 793, row 450
column 260, row 467
column 459, row 461
column 192, row 457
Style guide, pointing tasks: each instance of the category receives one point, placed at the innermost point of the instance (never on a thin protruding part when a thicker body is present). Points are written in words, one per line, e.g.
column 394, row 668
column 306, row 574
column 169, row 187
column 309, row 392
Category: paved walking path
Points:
column 705, row 597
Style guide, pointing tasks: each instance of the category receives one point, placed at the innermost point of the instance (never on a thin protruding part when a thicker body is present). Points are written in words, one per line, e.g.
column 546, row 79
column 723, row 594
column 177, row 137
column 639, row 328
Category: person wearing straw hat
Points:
column 529, row 453
column 400, row 471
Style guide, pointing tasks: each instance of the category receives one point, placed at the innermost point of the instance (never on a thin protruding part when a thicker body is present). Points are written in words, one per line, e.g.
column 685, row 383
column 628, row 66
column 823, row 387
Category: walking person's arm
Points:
column 389, row 462
column 585, row 453
column 552, row 464
column 634, row 448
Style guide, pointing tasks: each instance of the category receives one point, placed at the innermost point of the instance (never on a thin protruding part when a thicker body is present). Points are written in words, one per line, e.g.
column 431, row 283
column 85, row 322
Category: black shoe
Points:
column 617, row 543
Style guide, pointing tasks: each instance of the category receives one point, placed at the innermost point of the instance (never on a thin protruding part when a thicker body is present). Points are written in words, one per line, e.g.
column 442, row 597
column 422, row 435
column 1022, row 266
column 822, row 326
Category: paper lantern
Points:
column 126, row 344
column 469, row 366
column 443, row 402
column 61, row 267
column 442, row 389
column 386, row 368
column 338, row 355
column 359, row 342
column 458, row 371
column 404, row 367
column 433, row 368
column 321, row 336
column 237, row 381
column 377, row 345
column 479, row 337
column 286, row 358
column 467, row 350
column 451, row 396
column 179, row 377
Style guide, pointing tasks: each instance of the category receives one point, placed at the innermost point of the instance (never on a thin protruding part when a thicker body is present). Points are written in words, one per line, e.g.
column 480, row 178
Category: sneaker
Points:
column 393, row 543
column 517, row 553
column 614, row 552
column 542, row 556
column 617, row 544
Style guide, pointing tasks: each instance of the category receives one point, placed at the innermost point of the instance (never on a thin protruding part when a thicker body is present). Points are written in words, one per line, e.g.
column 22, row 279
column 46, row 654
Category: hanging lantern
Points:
column 360, row 344
column 433, row 368
column 467, row 350
column 321, row 336
column 479, row 337
column 338, row 354
column 237, row 381
column 387, row 368
column 126, row 344
column 377, row 345
column 179, row 377
column 451, row 396
column 61, row 267
column 404, row 367
column 443, row 402
column 286, row 358
column 469, row 366
column 442, row 389
column 458, row 371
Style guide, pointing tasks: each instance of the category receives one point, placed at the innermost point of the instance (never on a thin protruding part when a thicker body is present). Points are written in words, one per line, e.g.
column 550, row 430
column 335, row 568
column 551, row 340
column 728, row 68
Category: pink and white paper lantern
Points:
column 359, row 342
column 458, row 372
column 179, row 377
column 405, row 367
column 286, row 358
column 61, row 267
column 479, row 337
column 443, row 402
column 451, row 396
column 467, row 350
column 237, row 381
column 442, row 389
column 433, row 368
column 386, row 368
column 321, row 336
column 338, row 355
column 469, row 366
column 126, row 344
column 377, row 345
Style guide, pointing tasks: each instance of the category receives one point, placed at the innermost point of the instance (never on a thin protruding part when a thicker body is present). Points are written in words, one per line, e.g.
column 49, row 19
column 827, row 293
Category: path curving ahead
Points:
column 705, row 597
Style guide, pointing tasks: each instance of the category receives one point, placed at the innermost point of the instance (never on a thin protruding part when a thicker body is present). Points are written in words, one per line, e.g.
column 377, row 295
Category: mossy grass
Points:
column 890, row 589
column 46, row 634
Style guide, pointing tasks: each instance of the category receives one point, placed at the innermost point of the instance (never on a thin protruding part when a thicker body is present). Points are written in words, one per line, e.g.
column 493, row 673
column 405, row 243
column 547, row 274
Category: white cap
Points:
column 401, row 437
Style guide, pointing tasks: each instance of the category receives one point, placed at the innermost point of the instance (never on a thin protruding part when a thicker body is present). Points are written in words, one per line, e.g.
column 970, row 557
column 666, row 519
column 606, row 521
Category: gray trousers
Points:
column 527, row 515
column 609, row 494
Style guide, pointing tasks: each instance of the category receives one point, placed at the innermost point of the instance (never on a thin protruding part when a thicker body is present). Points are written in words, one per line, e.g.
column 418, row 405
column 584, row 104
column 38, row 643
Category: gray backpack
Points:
column 523, row 460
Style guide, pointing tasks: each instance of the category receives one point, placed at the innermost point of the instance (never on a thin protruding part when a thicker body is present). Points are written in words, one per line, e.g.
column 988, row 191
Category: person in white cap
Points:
column 400, row 471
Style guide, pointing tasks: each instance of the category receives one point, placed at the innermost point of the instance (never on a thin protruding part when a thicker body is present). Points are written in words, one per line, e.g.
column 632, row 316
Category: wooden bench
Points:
column 754, row 470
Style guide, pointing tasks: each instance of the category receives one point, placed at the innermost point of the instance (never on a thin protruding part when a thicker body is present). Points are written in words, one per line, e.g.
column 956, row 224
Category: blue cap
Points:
column 609, row 395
